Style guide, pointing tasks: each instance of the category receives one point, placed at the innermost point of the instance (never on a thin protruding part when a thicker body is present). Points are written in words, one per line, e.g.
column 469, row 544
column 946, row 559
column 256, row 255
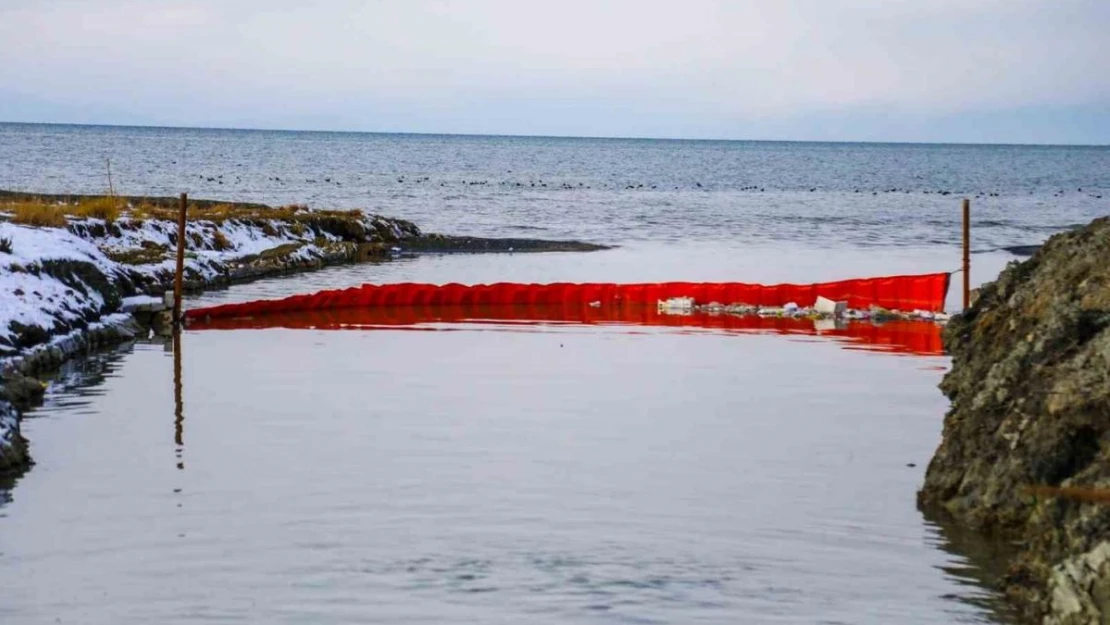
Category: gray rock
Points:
column 1030, row 393
column 1079, row 589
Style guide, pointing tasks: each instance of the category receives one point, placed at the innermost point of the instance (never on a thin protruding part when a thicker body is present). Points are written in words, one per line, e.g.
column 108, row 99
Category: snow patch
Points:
column 33, row 298
column 33, row 245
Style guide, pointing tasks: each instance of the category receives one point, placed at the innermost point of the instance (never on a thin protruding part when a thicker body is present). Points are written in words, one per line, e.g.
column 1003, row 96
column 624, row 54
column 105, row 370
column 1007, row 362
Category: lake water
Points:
column 503, row 472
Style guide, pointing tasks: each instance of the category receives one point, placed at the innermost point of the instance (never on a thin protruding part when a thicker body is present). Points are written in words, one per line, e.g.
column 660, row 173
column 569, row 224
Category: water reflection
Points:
column 904, row 337
column 978, row 565
column 7, row 483
column 475, row 487
column 74, row 387
column 79, row 381
column 178, row 402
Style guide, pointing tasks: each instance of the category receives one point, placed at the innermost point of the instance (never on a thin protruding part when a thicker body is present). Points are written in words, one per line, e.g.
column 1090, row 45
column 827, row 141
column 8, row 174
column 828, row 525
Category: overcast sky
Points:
column 1010, row 71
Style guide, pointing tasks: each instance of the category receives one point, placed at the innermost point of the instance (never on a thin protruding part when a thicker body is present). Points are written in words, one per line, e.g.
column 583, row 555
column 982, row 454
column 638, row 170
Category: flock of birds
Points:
column 539, row 183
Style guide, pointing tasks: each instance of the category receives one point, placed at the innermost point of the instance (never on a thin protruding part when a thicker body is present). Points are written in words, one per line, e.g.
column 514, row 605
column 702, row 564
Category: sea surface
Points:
column 617, row 191
column 513, row 472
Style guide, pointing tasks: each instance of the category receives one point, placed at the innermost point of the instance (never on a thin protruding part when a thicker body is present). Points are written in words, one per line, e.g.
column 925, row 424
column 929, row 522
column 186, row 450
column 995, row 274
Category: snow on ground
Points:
column 40, row 300
column 34, row 298
column 31, row 245
column 239, row 238
column 139, row 254
column 31, row 297
column 139, row 300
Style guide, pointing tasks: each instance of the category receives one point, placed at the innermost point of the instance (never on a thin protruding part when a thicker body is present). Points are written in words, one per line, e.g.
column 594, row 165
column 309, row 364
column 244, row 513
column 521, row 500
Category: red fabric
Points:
column 907, row 293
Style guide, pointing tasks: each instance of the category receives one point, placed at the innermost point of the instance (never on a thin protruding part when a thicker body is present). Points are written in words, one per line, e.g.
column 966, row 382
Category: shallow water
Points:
column 487, row 474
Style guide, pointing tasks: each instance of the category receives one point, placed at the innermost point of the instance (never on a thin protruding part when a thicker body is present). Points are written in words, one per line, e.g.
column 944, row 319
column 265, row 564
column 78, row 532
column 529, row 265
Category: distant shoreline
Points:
column 464, row 135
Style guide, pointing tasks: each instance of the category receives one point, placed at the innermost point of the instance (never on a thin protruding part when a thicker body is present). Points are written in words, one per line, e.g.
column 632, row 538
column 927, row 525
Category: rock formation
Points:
column 1026, row 444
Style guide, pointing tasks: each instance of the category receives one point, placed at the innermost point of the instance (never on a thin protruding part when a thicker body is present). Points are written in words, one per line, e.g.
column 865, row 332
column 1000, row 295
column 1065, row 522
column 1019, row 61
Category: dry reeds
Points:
column 222, row 212
column 49, row 215
column 41, row 215
column 220, row 242
column 53, row 214
column 106, row 208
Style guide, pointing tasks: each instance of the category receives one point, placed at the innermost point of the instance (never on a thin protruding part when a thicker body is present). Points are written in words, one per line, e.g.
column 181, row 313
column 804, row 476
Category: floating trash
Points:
column 676, row 305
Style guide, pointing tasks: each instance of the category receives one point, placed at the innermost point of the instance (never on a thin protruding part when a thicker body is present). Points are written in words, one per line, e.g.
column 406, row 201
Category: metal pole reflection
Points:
column 178, row 402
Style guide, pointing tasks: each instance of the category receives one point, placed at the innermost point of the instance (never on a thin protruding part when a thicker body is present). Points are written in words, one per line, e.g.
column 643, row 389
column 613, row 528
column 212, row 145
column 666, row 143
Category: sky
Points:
column 977, row 71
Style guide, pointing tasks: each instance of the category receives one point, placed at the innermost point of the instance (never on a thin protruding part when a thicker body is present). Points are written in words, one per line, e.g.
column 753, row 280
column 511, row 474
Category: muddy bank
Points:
column 1025, row 454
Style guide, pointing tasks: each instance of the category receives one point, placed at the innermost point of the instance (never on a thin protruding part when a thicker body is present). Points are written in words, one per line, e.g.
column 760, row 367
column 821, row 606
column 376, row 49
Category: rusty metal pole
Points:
column 967, row 254
column 179, row 276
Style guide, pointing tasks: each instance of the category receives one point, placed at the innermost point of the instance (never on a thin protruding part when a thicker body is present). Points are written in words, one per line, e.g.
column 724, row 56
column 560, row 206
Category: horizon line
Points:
column 542, row 136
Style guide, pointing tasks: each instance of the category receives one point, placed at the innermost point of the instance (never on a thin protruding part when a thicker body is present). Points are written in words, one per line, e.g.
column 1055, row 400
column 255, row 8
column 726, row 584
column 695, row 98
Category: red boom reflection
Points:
column 906, row 337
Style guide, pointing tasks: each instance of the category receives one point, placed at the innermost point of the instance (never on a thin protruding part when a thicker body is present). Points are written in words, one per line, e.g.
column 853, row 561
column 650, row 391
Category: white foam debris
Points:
column 676, row 306
column 830, row 310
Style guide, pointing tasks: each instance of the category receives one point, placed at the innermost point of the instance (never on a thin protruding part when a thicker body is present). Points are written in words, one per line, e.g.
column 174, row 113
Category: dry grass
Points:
column 42, row 215
column 138, row 255
column 222, row 212
column 220, row 242
column 106, row 208
column 110, row 208
column 51, row 215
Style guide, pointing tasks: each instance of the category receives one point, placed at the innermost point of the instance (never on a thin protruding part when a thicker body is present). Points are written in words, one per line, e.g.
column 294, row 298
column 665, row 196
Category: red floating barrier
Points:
column 906, row 293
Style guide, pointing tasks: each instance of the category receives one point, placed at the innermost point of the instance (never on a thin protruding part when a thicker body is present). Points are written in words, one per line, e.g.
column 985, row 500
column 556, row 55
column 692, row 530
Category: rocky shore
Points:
column 1025, row 453
column 70, row 263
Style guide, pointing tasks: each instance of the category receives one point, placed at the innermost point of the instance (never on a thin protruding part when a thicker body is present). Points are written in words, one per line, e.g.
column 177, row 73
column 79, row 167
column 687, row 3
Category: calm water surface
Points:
column 506, row 473
column 486, row 474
